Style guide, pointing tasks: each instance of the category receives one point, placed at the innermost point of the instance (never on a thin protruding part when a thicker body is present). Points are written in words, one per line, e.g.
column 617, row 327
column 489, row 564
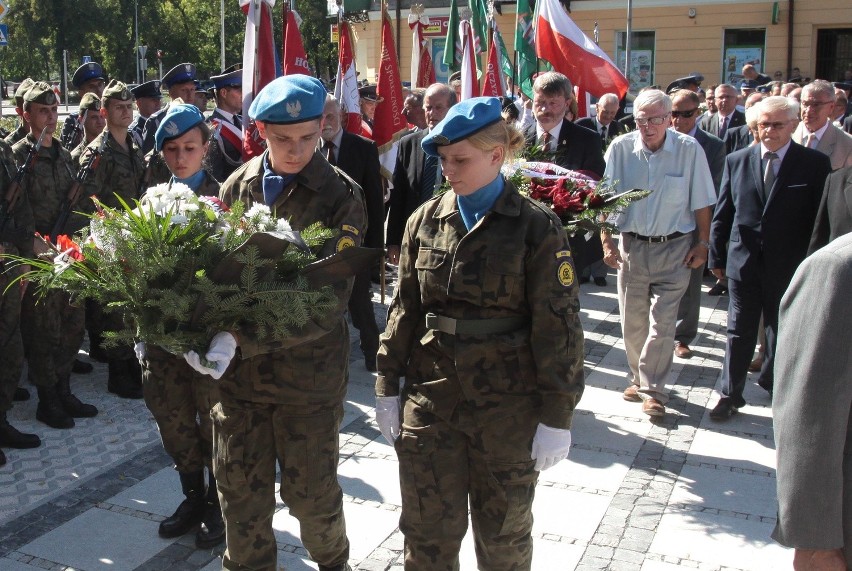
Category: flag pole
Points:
column 285, row 7
column 628, row 42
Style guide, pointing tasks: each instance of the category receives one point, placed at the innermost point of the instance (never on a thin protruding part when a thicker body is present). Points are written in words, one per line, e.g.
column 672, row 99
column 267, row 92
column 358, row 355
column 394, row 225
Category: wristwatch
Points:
column 704, row 243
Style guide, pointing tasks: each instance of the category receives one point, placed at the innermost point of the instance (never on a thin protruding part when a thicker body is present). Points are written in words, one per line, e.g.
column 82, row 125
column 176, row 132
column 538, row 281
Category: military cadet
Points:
column 120, row 172
column 226, row 150
column 52, row 327
column 23, row 127
column 15, row 239
column 180, row 82
column 369, row 101
column 484, row 325
column 282, row 401
column 93, row 123
column 179, row 397
column 89, row 78
column 149, row 99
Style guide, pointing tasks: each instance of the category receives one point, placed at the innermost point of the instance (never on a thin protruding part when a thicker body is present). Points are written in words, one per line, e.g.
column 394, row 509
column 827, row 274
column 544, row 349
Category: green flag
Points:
column 505, row 62
column 479, row 23
column 525, row 53
column 450, row 59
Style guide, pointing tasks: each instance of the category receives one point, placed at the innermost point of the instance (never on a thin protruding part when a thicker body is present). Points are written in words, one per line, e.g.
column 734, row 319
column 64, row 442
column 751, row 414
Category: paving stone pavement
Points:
column 680, row 492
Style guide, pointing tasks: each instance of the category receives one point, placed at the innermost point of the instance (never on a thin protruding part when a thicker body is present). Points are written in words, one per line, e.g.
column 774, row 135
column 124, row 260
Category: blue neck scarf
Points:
column 193, row 182
column 273, row 184
column 474, row 206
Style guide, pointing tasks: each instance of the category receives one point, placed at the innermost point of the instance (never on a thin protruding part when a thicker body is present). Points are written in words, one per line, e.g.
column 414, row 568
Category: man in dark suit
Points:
column 416, row 176
column 572, row 147
column 834, row 217
column 766, row 210
column 738, row 138
column 358, row 158
column 603, row 122
column 727, row 115
column 813, row 412
column 685, row 114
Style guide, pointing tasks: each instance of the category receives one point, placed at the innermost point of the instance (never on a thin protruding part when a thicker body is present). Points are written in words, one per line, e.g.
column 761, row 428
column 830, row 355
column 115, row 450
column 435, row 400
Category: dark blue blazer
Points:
column 755, row 238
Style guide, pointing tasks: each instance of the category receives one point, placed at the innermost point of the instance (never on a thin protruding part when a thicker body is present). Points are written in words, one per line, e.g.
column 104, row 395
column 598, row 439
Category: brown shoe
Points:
column 756, row 365
column 682, row 350
column 631, row 393
column 653, row 407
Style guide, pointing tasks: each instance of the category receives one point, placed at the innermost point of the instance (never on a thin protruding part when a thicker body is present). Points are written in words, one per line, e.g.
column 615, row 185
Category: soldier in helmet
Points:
column 89, row 78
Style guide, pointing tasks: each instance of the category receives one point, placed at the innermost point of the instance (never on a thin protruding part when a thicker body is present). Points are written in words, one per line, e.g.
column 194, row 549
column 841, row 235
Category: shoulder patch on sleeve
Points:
column 344, row 242
column 565, row 274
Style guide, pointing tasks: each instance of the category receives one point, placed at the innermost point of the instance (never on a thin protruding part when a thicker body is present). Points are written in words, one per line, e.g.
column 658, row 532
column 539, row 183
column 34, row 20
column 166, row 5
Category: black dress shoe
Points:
column 370, row 364
column 718, row 289
column 11, row 437
column 600, row 282
column 21, row 394
column 724, row 410
column 81, row 367
column 765, row 386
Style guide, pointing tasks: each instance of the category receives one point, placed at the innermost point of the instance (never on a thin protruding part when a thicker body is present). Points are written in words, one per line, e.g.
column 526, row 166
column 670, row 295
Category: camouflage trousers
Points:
column 52, row 330
column 11, row 346
column 446, row 465
column 180, row 400
column 248, row 439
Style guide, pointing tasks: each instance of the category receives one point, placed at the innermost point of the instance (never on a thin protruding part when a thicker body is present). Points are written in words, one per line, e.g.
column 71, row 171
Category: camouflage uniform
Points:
column 18, row 134
column 473, row 400
column 283, row 401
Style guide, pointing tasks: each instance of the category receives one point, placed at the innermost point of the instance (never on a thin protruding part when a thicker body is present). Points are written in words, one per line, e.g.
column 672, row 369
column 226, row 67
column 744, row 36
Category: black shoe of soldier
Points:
column 21, row 394
column 50, row 411
column 11, row 437
column 81, row 367
column 122, row 380
column 2, row 458
column 96, row 353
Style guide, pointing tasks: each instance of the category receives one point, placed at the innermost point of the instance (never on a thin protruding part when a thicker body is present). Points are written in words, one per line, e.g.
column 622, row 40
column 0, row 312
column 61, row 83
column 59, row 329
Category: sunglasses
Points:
column 684, row 114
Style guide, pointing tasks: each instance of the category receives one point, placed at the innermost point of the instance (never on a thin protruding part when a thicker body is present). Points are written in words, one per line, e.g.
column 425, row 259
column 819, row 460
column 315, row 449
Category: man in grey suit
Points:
column 813, row 412
column 728, row 116
column 834, row 217
column 685, row 114
column 816, row 131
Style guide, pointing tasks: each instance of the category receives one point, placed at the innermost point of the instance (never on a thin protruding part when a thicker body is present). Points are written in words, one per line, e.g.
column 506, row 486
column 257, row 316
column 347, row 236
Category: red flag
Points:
column 422, row 69
column 493, row 86
column 469, row 79
column 346, row 85
column 258, row 66
column 389, row 123
column 295, row 60
column 570, row 51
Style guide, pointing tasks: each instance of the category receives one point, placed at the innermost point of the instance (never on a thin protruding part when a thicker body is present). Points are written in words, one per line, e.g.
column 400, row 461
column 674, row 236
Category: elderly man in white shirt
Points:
column 658, row 244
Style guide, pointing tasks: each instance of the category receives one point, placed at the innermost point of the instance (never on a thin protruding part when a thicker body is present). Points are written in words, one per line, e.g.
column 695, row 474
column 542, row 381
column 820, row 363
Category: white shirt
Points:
column 677, row 173
column 776, row 166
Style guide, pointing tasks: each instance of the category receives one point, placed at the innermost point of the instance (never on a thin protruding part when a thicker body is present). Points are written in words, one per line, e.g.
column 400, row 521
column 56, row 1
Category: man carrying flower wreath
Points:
column 281, row 401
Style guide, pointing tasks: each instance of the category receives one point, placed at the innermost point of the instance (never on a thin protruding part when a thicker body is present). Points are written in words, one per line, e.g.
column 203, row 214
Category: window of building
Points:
column 834, row 54
column 642, row 50
column 742, row 46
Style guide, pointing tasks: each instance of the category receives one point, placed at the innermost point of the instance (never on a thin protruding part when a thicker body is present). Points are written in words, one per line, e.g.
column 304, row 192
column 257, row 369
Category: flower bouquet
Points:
column 180, row 268
column 581, row 201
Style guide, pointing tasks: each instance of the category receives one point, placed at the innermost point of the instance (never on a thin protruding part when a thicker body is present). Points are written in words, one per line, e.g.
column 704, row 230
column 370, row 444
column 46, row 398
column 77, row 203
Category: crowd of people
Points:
column 480, row 367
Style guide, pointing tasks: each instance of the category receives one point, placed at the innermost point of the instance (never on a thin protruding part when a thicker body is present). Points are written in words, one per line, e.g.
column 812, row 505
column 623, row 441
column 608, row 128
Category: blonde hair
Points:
column 498, row 134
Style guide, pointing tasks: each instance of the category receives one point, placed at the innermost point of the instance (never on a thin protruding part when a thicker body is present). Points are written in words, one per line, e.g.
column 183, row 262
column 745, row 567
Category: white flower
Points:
column 178, row 219
column 256, row 209
column 281, row 225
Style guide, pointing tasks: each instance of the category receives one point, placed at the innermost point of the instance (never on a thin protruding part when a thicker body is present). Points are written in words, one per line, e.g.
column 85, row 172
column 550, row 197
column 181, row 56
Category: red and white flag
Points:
column 346, row 85
column 389, row 123
column 258, row 66
column 469, row 80
column 570, row 51
column 422, row 69
column 295, row 60
column 493, row 85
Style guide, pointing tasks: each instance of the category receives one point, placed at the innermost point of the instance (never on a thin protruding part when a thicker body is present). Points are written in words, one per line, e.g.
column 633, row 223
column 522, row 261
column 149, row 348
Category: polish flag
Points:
column 389, row 123
column 469, row 80
column 493, row 85
column 422, row 69
column 570, row 51
column 346, row 85
column 295, row 60
column 258, row 66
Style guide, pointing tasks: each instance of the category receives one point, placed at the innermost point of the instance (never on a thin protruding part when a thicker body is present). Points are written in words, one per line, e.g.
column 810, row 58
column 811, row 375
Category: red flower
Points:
column 66, row 244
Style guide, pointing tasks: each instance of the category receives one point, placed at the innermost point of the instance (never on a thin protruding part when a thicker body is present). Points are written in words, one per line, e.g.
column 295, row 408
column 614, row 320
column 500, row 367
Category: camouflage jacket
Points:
column 17, row 134
column 118, row 172
column 17, row 234
column 515, row 262
column 48, row 184
column 309, row 368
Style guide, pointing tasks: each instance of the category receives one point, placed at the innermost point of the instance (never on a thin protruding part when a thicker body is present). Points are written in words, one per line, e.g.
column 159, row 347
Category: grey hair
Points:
column 821, row 87
column 752, row 115
column 651, row 98
column 778, row 103
column 608, row 98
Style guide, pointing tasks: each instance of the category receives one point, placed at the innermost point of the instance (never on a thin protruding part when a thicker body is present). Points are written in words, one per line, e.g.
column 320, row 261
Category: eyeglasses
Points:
column 684, row 114
column 776, row 125
column 643, row 121
column 811, row 103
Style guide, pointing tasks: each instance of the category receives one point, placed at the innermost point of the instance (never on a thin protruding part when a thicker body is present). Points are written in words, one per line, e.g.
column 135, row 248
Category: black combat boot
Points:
column 81, row 367
column 96, row 351
column 122, row 379
column 212, row 530
column 72, row 405
column 191, row 510
column 2, row 458
column 50, row 410
column 11, row 437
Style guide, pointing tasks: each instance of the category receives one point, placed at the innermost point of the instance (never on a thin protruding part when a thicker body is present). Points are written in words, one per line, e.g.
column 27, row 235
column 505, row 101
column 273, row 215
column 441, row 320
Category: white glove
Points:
column 387, row 417
column 139, row 349
column 550, row 445
column 222, row 349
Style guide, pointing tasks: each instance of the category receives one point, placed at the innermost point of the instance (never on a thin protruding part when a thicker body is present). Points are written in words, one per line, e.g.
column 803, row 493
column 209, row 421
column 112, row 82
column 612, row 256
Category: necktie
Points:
column 238, row 123
column 769, row 173
column 429, row 178
column 812, row 141
column 329, row 152
column 723, row 126
column 545, row 140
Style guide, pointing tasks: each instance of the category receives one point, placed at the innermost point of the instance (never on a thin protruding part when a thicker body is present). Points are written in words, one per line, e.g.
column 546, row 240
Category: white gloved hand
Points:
column 387, row 417
column 222, row 349
column 139, row 349
column 550, row 445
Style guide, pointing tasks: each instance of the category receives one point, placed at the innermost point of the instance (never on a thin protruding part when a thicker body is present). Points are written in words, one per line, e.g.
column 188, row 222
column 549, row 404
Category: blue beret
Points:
column 181, row 73
column 86, row 72
column 179, row 119
column 147, row 89
column 228, row 79
column 289, row 99
column 463, row 120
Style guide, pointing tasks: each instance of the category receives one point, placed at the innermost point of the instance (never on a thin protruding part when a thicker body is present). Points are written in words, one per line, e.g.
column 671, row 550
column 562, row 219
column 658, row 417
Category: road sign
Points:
column 2, row 9
column 4, row 35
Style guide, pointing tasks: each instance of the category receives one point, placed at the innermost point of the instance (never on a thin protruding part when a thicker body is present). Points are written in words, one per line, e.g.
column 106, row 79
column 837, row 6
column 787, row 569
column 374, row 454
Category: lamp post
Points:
column 136, row 34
